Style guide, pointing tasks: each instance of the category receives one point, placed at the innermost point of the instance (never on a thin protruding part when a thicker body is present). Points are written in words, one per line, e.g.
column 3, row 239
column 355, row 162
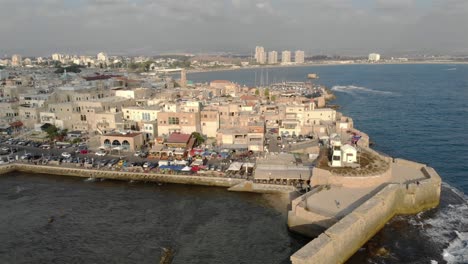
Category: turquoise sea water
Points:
column 416, row 112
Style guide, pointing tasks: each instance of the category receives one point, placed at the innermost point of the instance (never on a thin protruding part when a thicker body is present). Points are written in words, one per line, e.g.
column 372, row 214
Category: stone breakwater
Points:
column 231, row 183
column 117, row 175
column 346, row 230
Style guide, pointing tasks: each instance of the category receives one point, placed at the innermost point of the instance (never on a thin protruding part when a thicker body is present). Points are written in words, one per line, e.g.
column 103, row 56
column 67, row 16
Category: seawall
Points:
column 124, row 176
column 344, row 237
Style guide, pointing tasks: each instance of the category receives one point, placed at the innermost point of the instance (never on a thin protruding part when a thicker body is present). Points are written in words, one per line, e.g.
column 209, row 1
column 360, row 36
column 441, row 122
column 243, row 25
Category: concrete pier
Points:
column 343, row 213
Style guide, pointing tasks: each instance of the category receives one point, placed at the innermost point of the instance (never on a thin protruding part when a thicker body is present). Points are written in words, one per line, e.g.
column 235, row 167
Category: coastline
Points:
column 414, row 200
column 326, row 64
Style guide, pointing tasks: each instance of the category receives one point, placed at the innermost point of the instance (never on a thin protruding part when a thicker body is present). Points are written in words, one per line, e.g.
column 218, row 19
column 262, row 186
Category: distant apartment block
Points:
column 101, row 56
column 299, row 56
column 57, row 57
column 16, row 60
column 286, row 56
column 374, row 57
column 272, row 57
column 260, row 55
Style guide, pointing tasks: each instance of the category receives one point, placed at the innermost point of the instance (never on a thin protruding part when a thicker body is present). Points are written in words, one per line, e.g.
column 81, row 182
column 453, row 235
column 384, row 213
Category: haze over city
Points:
column 132, row 27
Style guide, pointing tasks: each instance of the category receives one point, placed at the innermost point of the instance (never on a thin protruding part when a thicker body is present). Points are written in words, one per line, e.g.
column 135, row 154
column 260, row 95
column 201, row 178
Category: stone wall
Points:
column 343, row 239
column 126, row 176
column 7, row 168
column 325, row 177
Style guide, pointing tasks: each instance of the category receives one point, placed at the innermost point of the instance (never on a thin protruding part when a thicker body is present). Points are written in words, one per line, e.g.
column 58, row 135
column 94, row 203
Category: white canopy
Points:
column 180, row 162
column 186, row 168
column 235, row 166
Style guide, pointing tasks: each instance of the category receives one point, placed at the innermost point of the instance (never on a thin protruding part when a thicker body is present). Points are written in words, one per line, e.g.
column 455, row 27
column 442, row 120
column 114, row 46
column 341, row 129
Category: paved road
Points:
column 57, row 152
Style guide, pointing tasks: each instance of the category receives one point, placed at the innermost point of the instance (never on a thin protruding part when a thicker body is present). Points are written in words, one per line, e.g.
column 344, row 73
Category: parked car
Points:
column 66, row 155
column 120, row 163
column 103, row 162
column 141, row 154
column 112, row 162
column 84, row 151
column 101, row 153
column 26, row 156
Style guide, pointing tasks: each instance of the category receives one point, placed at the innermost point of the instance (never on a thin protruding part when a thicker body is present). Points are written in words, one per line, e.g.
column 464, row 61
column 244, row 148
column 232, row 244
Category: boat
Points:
column 312, row 76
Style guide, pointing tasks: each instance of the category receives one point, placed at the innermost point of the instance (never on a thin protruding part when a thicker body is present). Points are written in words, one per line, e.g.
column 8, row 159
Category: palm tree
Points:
column 199, row 139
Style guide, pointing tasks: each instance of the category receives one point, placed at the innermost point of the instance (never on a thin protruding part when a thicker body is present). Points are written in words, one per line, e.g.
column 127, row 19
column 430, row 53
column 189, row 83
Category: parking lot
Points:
column 207, row 163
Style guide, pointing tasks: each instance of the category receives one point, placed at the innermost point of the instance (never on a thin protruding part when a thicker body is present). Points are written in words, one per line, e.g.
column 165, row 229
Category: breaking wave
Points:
column 448, row 227
column 353, row 89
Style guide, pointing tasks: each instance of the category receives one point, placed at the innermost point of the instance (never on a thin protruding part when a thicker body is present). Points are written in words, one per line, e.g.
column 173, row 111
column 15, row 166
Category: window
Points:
column 145, row 116
column 336, row 158
column 173, row 120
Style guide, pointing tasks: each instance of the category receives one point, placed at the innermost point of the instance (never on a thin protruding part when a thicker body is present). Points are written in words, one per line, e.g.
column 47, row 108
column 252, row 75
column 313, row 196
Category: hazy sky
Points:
column 349, row 27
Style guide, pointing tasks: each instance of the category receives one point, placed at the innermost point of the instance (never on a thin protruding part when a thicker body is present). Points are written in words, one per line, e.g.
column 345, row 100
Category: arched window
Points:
column 107, row 142
column 125, row 144
column 116, row 143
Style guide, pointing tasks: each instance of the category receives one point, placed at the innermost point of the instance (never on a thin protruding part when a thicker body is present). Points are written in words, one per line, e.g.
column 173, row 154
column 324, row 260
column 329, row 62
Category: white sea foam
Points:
column 451, row 69
column 351, row 89
column 449, row 227
column 19, row 189
column 90, row 179
column 457, row 251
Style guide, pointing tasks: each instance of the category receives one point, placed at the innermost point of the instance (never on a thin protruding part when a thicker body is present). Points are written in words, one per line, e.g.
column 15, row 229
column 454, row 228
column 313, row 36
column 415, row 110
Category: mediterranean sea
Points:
column 418, row 112
column 413, row 111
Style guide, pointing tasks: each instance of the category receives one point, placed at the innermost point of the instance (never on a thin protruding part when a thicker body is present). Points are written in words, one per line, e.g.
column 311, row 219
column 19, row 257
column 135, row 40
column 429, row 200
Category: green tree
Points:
column 257, row 92
column 267, row 92
column 52, row 132
column 199, row 139
column 72, row 68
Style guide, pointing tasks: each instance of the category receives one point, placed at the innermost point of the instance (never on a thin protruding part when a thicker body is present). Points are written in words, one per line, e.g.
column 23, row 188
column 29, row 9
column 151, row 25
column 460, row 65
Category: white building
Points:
column 272, row 57
column 260, row 55
column 286, row 57
column 16, row 60
column 101, row 56
column 57, row 57
column 299, row 56
column 374, row 57
column 336, row 154
column 349, row 154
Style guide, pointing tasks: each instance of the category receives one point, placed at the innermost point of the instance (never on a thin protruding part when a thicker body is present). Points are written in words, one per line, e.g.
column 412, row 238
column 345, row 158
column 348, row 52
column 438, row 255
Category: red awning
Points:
column 16, row 124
